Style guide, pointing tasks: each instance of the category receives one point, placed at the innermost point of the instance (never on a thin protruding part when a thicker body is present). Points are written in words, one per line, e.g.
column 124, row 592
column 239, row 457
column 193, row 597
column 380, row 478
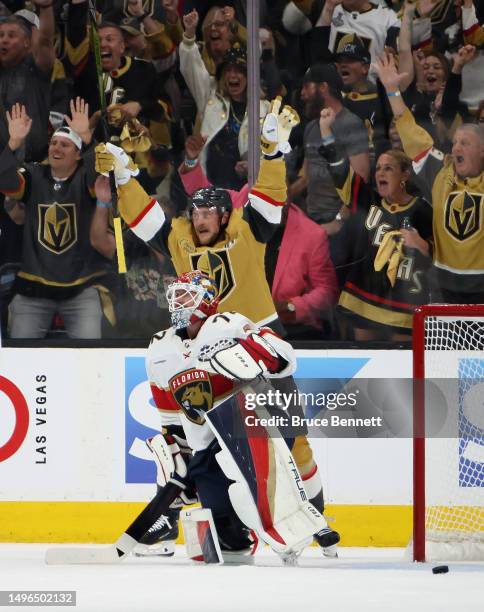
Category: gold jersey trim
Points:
column 375, row 313
column 44, row 281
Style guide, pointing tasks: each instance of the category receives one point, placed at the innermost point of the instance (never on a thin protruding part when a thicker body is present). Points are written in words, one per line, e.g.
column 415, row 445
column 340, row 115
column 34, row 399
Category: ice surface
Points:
column 363, row 580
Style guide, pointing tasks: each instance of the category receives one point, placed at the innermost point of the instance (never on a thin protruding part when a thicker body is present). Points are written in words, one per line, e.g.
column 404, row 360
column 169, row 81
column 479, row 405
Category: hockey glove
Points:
column 239, row 358
column 277, row 127
column 110, row 158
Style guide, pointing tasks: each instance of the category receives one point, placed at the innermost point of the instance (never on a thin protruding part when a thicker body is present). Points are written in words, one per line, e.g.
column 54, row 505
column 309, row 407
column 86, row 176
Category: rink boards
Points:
column 74, row 466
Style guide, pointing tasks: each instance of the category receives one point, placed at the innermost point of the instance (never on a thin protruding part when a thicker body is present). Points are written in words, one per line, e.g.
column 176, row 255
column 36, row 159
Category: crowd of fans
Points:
column 385, row 206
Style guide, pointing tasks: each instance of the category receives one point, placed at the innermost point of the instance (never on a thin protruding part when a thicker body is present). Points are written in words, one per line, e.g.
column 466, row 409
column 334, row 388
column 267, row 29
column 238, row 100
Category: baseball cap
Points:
column 67, row 132
column 29, row 16
column 131, row 26
column 323, row 73
column 353, row 47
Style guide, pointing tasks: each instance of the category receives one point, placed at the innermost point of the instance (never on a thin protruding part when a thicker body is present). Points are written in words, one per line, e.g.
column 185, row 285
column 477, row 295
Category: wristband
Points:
column 327, row 140
column 393, row 94
column 191, row 163
column 102, row 204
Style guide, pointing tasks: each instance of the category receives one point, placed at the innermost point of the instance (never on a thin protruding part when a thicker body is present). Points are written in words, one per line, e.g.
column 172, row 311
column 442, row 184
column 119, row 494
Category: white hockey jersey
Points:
column 372, row 27
column 182, row 390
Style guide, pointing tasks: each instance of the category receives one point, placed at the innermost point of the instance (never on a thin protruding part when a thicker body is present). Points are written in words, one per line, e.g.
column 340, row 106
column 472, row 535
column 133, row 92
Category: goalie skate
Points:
column 328, row 541
column 160, row 539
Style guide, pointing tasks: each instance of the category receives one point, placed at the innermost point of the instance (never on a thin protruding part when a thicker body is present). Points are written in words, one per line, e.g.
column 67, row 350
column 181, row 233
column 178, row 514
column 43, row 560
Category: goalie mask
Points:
column 192, row 297
column 210, row 197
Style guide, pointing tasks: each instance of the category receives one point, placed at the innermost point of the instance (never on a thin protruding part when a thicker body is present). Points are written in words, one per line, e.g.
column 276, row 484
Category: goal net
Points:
column 448, row 353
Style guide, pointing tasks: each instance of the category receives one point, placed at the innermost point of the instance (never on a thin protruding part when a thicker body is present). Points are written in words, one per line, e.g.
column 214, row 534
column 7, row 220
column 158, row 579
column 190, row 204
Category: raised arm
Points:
column 405, row 58
column 269, row 193
column 192, row 67
column 43, row 47
column 349, row 184
column 13, row 182
column 101, row 237
column 417, row 142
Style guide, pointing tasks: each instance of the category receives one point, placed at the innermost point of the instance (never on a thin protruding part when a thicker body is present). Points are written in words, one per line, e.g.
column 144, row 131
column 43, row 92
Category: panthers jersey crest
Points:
column 463, row 214
column 57, row 227
column 193, row 392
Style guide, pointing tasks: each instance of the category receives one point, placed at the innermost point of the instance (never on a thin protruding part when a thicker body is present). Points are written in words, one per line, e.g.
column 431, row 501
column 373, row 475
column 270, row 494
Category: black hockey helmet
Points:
column 209, row 197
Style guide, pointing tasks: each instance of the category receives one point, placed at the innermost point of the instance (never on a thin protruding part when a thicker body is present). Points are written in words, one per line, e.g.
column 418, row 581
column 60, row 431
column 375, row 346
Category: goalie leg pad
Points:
column 268, row 494
column 201, row 541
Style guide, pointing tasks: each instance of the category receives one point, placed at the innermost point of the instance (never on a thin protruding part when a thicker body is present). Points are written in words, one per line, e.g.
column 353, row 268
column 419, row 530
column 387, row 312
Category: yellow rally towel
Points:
column 135, row 137
column 390, row 252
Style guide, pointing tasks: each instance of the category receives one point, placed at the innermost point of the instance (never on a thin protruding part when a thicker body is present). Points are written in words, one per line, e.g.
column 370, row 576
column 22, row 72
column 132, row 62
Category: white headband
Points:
column 66, row 132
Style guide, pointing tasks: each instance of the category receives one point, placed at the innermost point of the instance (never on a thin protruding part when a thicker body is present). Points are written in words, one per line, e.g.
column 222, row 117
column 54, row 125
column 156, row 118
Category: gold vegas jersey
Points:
column 236, row 260
column 458, row 210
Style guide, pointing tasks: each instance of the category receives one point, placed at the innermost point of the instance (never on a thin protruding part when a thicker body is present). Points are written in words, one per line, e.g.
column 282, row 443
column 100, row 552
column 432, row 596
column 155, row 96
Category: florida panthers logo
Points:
column 192, row 391
column 463, row 214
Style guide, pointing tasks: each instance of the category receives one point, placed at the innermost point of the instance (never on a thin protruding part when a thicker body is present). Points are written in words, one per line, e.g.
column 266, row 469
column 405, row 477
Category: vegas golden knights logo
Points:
column 57, row 227
column 463, row 214
column 217, row 265
column 192, row 391
column 343, row 38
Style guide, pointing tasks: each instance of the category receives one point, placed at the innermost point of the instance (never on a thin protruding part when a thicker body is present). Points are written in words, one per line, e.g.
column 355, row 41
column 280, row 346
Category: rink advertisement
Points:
column 72, row 441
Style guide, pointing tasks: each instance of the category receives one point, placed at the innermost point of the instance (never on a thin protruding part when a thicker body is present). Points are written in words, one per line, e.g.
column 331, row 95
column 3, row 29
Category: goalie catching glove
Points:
column 110, row 158
column 241, row 358
column 171, row 453
column 277, row 127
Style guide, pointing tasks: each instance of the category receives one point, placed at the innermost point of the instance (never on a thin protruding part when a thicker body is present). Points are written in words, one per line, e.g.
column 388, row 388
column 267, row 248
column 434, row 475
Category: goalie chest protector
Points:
column 179, row 386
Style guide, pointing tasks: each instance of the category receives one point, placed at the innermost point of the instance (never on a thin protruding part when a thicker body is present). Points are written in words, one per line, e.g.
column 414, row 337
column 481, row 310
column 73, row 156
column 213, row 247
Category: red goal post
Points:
column 444, row 337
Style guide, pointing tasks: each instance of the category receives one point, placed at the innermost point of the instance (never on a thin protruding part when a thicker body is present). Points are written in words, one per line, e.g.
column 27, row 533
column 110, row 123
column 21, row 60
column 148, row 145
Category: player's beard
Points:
column 314, row 106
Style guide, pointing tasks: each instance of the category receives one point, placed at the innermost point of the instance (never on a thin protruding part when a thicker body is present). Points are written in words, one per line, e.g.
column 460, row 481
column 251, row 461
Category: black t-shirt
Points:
column 223, row 151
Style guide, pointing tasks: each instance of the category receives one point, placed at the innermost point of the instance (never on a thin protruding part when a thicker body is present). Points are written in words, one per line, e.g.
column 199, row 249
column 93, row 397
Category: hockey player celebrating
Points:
column 227, row 244
column 196, row 369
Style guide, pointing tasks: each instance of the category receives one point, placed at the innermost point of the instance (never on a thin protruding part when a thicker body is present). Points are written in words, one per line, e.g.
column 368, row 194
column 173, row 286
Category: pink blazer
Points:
column 304, row 274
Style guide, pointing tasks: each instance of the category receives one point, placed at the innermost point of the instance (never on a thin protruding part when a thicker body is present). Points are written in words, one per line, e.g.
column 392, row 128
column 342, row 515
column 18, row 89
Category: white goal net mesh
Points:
column 454, row 460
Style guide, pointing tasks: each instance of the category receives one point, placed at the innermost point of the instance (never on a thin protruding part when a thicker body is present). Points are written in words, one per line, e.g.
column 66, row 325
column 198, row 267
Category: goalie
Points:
column 196, row 368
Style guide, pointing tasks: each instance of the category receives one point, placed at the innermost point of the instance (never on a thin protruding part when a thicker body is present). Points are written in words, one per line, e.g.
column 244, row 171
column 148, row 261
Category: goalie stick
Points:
column 116, row 552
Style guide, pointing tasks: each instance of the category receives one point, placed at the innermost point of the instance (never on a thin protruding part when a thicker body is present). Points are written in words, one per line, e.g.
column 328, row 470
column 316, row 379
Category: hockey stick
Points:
column 116, row 552
column 118, row 233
